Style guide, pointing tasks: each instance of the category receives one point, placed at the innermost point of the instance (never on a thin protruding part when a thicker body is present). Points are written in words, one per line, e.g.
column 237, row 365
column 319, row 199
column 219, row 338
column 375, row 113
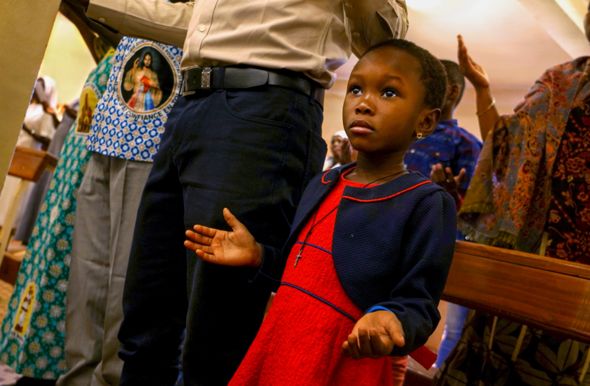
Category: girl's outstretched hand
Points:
column 234, row 248
column 472, row 71
column 374, row 335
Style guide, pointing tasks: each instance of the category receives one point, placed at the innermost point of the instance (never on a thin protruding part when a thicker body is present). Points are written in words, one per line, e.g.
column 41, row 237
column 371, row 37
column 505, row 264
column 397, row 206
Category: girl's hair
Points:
column 433, row 77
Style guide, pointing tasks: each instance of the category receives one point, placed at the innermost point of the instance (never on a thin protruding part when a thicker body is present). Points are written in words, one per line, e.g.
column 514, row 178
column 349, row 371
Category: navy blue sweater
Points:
column 392, row 247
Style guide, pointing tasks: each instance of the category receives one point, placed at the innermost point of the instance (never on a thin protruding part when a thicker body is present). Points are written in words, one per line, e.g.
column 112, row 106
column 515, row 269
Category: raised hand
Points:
column 444, row 177
column 374, row 335
column 472, row 71
column 234, row 248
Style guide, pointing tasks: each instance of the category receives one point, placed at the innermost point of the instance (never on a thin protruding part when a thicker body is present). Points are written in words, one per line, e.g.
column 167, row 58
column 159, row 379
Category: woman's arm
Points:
column 487, row 113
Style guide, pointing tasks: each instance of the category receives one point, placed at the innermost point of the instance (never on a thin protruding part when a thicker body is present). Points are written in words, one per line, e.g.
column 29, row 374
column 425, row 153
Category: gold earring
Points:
column 419, row 135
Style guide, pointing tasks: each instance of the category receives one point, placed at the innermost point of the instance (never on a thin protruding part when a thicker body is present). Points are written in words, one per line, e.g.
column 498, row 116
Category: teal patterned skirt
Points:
column 32, row 334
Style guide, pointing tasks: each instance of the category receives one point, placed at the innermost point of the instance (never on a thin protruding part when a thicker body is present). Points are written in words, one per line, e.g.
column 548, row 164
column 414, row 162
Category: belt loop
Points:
column 186, row 91
column 318, row 94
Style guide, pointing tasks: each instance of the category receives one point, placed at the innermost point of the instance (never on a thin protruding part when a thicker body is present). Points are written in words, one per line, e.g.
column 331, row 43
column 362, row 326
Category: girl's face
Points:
column 384, row 104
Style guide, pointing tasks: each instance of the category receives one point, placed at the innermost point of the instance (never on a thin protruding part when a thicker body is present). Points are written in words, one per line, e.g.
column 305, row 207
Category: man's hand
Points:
column 374, row 335
column 235, row 248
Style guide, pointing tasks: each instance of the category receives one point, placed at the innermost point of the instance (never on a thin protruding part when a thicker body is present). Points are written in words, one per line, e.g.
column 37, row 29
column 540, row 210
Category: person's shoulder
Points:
column 572, row 66
column 465, row 135
column 451, row 128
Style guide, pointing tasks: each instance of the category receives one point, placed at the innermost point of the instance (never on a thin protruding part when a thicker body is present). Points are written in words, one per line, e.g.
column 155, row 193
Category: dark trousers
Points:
column 252, row 151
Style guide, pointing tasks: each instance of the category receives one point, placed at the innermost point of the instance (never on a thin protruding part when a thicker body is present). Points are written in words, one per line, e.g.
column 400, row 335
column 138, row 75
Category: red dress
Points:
column 300, row 341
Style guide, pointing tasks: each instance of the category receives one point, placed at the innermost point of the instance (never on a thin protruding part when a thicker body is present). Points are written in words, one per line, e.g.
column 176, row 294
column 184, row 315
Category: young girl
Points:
column 370, row 245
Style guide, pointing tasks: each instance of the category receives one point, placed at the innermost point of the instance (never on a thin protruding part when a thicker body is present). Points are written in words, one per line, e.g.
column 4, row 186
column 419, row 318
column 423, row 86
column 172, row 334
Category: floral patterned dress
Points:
column 568, row 223
column 511, row 354
column 32, row 334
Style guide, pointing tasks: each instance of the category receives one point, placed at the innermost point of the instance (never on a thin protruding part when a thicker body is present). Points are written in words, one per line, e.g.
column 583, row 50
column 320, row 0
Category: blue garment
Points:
column 251, row 150
column 128, row 121
column 392, row 247
column 450, row 145
column 454, row 321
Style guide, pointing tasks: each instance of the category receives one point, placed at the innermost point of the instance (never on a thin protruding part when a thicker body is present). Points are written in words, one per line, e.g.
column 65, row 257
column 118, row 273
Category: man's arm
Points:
column 373, row 21
column 157, row 20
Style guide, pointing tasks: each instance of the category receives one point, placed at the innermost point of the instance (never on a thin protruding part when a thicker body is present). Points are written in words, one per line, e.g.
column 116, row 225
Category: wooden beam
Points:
column 543, row 292
column 563, row 21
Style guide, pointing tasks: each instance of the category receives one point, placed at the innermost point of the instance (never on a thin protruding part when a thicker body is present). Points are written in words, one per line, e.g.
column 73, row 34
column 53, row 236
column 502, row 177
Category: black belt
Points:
column 212, row 78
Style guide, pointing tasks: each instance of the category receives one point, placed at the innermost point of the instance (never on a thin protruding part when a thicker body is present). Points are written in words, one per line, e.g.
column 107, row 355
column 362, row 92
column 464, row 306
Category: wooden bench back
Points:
column 538, row 291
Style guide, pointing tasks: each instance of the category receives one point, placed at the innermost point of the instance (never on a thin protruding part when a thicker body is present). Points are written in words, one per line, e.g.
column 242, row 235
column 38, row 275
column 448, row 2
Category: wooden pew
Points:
column 27, row 164
column 538, row 291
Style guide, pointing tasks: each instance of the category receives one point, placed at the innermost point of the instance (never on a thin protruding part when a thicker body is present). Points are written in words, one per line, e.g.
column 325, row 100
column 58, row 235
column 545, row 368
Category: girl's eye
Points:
column 389, row 93
column 355, row 90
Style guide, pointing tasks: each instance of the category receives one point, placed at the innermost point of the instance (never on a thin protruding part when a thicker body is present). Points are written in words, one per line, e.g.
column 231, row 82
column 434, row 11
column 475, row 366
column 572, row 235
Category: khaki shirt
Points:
column 310, row 36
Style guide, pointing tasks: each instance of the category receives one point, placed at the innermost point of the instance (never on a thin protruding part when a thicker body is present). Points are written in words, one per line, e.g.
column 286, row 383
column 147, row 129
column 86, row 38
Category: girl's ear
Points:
column 428, row 121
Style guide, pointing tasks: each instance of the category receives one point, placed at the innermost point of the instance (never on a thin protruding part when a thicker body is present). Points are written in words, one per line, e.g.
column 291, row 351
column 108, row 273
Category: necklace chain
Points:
column 315, row 223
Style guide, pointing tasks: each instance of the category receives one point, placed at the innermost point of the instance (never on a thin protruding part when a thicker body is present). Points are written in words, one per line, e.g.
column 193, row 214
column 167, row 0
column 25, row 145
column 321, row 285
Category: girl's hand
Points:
column 374, row 335
column 472, row 71
column 235, row 248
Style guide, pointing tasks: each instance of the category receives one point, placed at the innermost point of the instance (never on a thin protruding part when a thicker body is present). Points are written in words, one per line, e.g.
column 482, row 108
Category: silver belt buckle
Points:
column 206, row 77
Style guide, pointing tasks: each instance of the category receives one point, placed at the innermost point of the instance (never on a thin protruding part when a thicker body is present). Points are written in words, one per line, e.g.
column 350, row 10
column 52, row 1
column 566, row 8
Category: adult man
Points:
column 247, row 135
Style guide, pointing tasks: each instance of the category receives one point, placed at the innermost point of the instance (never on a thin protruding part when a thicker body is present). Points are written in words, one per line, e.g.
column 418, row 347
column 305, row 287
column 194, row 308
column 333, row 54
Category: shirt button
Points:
column 202, row 27
column 102, row 19
column 412, row 151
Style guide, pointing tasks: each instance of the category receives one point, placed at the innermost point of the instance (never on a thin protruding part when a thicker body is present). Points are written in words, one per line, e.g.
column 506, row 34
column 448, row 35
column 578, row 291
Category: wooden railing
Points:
column 544, row 292
column 538, row 291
